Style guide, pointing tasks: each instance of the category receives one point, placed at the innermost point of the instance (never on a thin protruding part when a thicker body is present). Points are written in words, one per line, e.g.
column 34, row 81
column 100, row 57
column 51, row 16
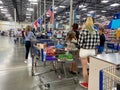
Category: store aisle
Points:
column 14, row 73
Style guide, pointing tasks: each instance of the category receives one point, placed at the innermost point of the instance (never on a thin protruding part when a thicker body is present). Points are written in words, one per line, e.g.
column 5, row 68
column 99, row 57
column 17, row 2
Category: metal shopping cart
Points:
column 63, row 76
column 109, row 79
column 37, row 54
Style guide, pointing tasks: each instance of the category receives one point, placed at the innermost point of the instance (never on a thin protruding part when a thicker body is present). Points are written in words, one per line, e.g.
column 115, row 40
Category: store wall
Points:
column 7, row 25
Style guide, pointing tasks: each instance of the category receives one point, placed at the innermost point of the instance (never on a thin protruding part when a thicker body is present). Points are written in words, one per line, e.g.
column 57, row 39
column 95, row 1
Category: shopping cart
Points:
column 109, row 79
column 36, row 53
column 63, row 76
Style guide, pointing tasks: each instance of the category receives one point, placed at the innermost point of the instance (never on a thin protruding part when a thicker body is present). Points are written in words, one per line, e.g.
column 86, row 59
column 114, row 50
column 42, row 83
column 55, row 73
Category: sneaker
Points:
column 25, row 61
column 84, row 84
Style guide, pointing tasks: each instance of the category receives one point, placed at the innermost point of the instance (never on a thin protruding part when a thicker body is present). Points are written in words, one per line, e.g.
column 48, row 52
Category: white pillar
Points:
column 33, row 13
column 53, row 13
column 40, row 8
column 45, row 15
column 40, row 15
column 37, row 11
column 15, row 19
column 71, row 14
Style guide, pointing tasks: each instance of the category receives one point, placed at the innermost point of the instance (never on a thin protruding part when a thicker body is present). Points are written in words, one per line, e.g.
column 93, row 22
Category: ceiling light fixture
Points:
column 64, row 17
column 84, row 9
column 97, row 15
column 91, row 12
column 55, row 11
column 30, row 9
column 115, row 4
column 4, row 9
column 7, row 15
column 59, row 16
column 33, row 3
column 55, row 8
column 28, row 17
column 82, row 6
column 103, row 11
column 1, row 2
column 104, row 1
column 62, row 6
column 3, row 12
column 28, row 14
column 33, row 0
column 1, row 7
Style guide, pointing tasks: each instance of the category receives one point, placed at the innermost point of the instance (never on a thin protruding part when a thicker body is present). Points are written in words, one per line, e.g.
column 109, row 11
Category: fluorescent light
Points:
column 103, row 11
column 91, row 11
column 115, row 4
column 104, row 1
column 4, row 9
column 84, row 9
column 34, row 3
column 3, row 12
column 84, row 18
column 55, row 11
column 7, row 15
column 1, row 7
column 82, row 6
column 30, row 9
column 64, row 17
column 78, row 16
column 1, row 2
column 28, row 14
column 62, row 6
column 33, row 0
column 67, row 12
column 28, row 17
column 97, row 15
column 55, row 8
column 59, row 16
column 88, row 14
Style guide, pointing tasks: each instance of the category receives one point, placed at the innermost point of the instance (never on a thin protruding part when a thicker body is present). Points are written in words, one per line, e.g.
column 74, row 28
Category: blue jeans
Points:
column 27, row 46
column 100, row 49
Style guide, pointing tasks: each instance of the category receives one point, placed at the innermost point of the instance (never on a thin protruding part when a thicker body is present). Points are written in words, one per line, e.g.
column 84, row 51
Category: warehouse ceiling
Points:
column 26, row 11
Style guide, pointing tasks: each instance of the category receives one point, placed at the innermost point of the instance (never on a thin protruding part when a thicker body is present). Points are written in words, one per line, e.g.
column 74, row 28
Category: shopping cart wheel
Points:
column 47, row 85
column 76, row 80
column 32, row 74
column 35, row 64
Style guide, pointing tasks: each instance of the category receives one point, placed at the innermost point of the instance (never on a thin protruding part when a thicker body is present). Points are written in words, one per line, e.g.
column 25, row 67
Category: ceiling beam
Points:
column 15, row 6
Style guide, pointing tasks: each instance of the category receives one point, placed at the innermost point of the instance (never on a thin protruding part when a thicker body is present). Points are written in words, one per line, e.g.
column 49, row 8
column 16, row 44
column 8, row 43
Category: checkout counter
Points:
column 98, row 63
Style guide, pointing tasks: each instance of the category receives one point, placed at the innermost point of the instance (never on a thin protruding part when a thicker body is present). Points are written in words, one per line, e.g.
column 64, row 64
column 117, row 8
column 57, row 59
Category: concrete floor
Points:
column 16, row 75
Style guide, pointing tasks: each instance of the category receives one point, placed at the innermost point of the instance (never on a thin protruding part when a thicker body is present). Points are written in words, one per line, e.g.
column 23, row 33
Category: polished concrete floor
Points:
column 16, row 75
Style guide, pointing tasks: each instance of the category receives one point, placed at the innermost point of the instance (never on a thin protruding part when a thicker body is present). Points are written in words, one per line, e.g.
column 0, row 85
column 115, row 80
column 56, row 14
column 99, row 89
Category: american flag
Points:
column 35, row 24
column 50, row 13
